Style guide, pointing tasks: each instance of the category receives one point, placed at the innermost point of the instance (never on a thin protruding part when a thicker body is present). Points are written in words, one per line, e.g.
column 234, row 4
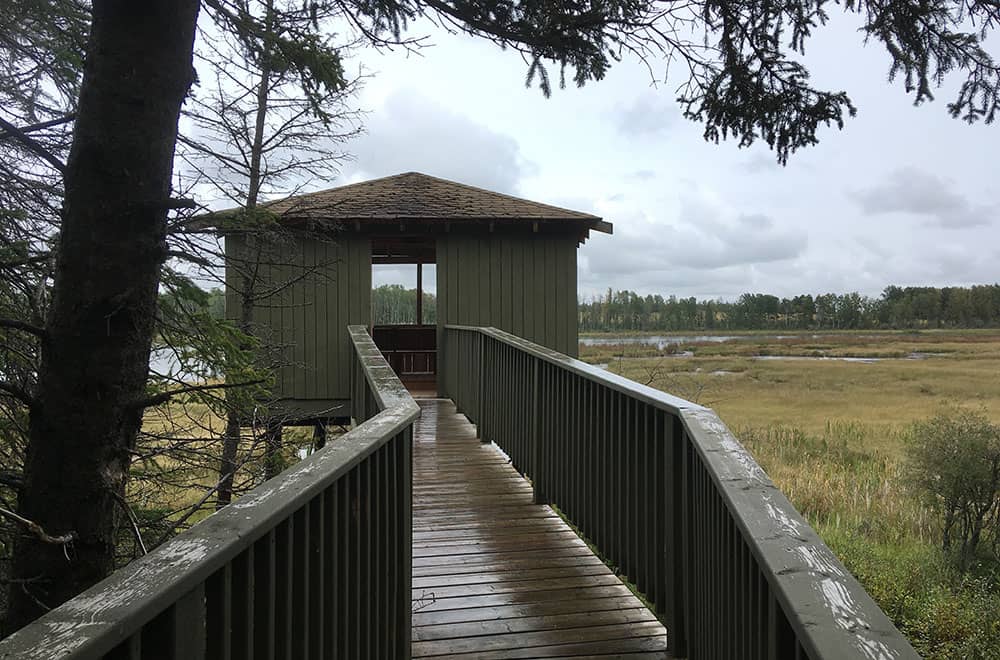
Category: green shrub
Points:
column 954, row 459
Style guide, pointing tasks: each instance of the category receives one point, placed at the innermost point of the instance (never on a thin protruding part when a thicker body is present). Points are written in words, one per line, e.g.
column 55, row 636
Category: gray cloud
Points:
column 914, row 191
column 759, row 163
column 700, row 243
column 413, row 133
column 649, row 114
column 641, row 175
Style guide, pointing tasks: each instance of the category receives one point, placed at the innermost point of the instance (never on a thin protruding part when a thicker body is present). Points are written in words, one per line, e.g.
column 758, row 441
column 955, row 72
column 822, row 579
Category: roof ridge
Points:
column 581, row 214
column 424, row 198
column 343, row 187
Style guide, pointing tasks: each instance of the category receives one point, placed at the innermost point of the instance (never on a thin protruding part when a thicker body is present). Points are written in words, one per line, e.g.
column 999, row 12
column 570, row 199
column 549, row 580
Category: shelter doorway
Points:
column 404, row 312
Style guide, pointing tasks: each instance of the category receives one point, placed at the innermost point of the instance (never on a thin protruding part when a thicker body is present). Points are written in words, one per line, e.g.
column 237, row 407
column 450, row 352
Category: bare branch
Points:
column 163, row 397
column 37, row 529
column 133, row 521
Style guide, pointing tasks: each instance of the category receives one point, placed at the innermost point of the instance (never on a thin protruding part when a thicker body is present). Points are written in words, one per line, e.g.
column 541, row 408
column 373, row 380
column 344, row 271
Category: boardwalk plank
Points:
column 495, row 576
column 515, row 642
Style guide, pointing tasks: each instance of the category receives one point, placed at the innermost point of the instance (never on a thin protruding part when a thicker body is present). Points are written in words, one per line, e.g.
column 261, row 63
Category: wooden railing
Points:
column 665, row 492
column 314, row 563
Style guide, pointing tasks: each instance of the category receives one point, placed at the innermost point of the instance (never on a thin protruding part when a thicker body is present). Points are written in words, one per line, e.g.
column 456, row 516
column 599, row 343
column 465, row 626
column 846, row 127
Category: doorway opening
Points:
column 404, row 309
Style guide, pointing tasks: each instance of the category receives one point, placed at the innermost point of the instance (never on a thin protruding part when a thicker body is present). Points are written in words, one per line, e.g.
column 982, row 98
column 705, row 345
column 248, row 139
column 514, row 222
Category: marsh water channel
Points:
column 670, row 346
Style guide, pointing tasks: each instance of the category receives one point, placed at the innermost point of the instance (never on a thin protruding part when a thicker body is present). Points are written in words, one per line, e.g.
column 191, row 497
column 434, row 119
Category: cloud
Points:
column 641, row 175
column 411, row 132
column 914, row 191
column 700, row 252
column 648, row 115
column 759, row 163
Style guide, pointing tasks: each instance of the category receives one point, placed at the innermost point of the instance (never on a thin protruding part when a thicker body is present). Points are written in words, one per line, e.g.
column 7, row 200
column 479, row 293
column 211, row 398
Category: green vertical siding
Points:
column 318, row 289
column 523, row 285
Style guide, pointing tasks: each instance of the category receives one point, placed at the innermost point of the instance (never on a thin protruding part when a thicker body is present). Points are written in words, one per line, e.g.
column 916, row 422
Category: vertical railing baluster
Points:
column 244, row 580
column 219, row 609
column 300, row 583
column 179, row 632
column 641, row 502
column 263, row 601
column 684, row 574
column 284, row 581
column 316, row 573
column 331, row 572
column 535, row 434
column 406, row 539
column 618, row 474
column 365, row 572
column 661, row 516
column 130, row 649
column 675, row 535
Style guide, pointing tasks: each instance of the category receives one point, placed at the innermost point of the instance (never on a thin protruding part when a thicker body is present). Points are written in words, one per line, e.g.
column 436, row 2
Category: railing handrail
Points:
column 390, row 393
column 827, row 607
column 94, row 622
column 644, row 393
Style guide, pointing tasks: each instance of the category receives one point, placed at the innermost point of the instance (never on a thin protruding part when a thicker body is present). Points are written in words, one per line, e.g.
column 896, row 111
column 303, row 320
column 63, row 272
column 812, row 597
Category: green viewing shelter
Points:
column 500, row 261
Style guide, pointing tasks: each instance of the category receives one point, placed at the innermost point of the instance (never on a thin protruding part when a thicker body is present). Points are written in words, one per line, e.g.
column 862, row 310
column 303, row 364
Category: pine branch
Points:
column 11, row 479
column 32, row 144
column 163, row 397
column 24, row 327
column 41, row 125
column 18, row 393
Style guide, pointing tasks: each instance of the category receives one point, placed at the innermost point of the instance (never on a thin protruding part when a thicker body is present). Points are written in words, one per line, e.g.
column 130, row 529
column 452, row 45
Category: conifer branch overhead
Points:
column 743, row 78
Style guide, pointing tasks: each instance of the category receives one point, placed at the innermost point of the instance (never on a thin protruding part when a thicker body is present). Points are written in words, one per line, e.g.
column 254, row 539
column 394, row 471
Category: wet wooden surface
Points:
column 495, row 576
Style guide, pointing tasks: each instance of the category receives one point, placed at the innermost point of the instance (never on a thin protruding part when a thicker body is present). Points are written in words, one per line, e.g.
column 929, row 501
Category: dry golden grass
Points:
column 831, row 434
column 808, row 394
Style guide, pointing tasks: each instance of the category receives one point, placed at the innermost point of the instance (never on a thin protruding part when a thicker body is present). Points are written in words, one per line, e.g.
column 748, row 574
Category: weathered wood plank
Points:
column 495, row 575
column 496, row 626
column 655, row 643
column 517, row 643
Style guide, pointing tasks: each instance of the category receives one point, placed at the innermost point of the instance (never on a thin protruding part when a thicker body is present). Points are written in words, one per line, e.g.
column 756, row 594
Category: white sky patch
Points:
column 694, row 218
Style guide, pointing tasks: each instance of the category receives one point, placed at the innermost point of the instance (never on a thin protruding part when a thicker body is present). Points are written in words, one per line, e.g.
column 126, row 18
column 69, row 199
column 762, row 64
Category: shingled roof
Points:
column 418, row 197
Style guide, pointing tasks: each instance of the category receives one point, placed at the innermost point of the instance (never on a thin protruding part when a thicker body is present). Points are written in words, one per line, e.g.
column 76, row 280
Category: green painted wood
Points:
column 322, row 348
column 523, row 285
column 297, row 311
column 487, row 287
column 319, row 288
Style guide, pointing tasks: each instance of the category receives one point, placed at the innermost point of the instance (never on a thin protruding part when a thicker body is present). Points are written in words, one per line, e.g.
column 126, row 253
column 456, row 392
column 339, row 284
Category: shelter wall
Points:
column 525, row 285
column 308, row 292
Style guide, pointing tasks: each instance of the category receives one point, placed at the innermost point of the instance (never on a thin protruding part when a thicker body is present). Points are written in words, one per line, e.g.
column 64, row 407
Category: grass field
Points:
column 831, row 433
column 808, row 394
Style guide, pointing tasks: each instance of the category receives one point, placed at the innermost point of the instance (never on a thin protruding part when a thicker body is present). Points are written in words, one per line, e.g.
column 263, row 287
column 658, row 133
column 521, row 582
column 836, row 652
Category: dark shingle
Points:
column 417, row 196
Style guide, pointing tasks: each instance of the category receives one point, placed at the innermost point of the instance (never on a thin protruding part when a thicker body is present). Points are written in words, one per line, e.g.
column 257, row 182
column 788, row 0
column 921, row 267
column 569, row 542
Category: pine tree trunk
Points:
column 112, row 244
column 227, row 466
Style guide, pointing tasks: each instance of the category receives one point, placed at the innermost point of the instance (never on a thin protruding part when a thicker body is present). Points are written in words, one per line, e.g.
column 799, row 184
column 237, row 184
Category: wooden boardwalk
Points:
column 495, row 576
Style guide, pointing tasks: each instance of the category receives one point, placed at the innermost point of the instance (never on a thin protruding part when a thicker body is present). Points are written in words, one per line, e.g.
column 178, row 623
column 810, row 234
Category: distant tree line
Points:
column 394, row 304
column 897, row 307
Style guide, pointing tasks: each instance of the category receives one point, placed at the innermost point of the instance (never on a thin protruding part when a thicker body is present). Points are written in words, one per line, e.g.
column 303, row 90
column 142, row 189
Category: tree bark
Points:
column 101, row 320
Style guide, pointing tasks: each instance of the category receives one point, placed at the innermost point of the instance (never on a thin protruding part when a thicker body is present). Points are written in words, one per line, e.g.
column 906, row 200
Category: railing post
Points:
column 480, row 387
column 677, row 529
column 535, row 435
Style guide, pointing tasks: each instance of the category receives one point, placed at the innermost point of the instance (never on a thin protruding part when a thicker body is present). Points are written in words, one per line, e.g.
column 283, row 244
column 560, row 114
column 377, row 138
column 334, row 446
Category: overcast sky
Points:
column 903, row 195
